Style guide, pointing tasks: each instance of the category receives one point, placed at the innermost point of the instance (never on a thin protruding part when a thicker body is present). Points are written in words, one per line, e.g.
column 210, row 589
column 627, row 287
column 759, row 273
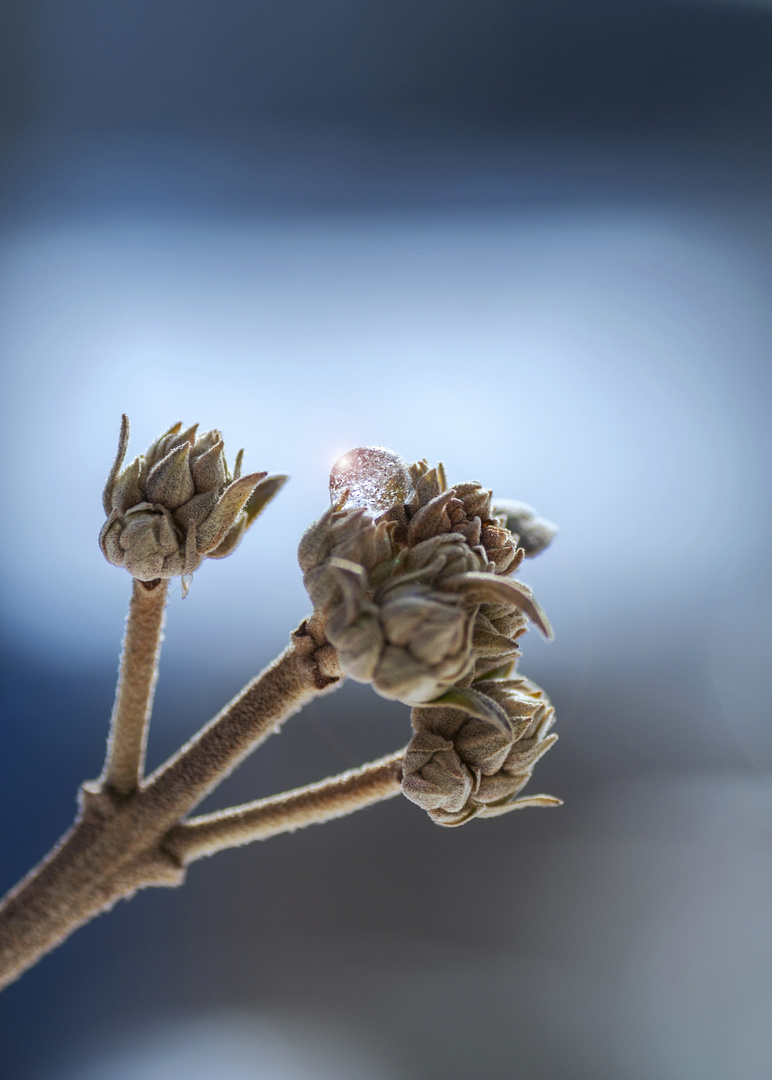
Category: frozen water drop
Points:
column 374, row 477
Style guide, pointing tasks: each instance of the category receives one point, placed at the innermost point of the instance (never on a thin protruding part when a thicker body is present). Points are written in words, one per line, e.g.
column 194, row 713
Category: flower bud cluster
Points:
column 415, row 599
column 178, row 503
column 459, row 766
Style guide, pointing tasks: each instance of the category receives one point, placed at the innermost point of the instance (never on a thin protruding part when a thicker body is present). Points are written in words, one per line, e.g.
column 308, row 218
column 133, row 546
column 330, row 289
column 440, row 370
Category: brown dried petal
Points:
column 316, row 543
column 500, row 546
column 230, row 541
column 440, row 720
column 169, row 482
column 542, row 721
column 470, row 530
column 431, row 520
column 231, row 503
column 360, row 643
column 110, row 541
column 161, row 447
column 126, row 491
column 525, row 753
column 476, row 500
column 487, row 642
column 402, row 675
column 147, row 538
column 123, row 444
column 519, row 696
column 177, row 439
column 518, row 804
column 433, row 776
column 444, row 554
column 363, row 542
column 498, row 788
column 428, row 484
column 450, row 820
column 442, row 638
column 204, row 444
column 487, row 588
column 262, row 495
column 195, row 511
column 324, row 590
column 506, row 620
column 208, row 468
column 482, row 746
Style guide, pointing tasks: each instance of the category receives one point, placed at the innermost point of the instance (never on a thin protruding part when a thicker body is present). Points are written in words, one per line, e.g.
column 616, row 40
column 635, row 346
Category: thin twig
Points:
column 138, row 674
column 303, row 671
column 310, row 805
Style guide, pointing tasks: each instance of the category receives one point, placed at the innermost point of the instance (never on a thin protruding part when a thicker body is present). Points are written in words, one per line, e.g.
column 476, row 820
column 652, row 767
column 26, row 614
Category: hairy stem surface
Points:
column 282, row 689
column 106, row 855
column 116, row 844
column 137, row 677
column 310, row 805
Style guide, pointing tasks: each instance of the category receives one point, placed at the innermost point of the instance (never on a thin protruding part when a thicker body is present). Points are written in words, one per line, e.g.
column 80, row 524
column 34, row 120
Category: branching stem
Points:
column 281, row 690
column 116, row 844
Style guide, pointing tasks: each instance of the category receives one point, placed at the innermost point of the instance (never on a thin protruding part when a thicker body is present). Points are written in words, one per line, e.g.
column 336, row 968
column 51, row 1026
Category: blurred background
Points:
column 532, row 240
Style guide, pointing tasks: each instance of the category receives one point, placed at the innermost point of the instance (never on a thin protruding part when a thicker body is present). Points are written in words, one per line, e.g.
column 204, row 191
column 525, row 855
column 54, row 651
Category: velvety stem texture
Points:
column 137, row 677
column 310, row 805
column 117, row 842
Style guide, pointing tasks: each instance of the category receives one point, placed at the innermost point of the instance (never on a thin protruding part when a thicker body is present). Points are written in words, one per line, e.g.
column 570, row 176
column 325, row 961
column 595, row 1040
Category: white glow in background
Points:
column 609, row 367
column 229, row 1046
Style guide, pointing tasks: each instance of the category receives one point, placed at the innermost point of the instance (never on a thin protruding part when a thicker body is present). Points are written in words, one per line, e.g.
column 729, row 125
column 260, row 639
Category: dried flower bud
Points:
column 428, row 484
column 497, row 629
column 348, row 535
column 463, row 509
column 178, row 503
column 409, row 639
column 534, row 533
column 458, row 766
column 406, row 576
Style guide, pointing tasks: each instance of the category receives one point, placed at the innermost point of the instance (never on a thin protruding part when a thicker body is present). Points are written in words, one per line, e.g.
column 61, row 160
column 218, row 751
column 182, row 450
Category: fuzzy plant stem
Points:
column 116, row 845
column 310, row 805
column 138, row 674
column 304, row 670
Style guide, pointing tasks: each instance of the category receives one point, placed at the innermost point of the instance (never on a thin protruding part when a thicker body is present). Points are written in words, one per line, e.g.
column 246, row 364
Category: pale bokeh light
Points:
column 603, row 366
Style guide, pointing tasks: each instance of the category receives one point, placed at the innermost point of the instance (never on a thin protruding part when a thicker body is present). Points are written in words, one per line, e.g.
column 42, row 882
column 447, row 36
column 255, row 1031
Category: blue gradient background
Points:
column 533, row 242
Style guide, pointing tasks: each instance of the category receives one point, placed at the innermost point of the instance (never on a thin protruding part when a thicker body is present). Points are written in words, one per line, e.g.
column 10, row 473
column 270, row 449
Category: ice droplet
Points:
column 375, row 478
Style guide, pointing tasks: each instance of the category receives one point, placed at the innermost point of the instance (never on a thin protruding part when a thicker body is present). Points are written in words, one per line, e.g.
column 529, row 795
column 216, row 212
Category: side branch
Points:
column 314, row 804
column 306, row 668
column 137, row 677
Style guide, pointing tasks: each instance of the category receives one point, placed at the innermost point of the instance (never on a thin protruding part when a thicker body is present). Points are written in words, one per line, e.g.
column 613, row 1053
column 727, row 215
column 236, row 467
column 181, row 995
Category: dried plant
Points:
column 411, row 591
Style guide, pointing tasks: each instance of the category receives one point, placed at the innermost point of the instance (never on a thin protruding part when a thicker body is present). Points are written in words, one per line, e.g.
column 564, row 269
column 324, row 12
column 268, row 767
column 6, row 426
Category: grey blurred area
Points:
column 533, row 241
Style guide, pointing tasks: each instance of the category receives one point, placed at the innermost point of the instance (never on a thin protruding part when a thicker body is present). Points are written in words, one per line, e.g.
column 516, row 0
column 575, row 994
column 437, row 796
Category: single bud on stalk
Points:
column 458, row 766
column 178, row 504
